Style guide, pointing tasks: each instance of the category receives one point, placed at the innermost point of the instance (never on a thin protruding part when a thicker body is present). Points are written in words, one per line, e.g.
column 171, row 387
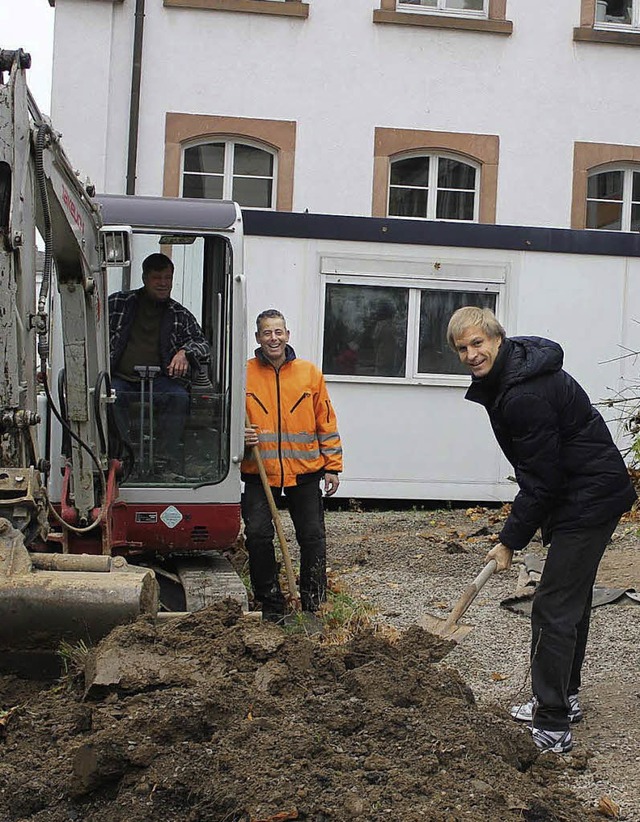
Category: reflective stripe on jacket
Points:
column 296, row 422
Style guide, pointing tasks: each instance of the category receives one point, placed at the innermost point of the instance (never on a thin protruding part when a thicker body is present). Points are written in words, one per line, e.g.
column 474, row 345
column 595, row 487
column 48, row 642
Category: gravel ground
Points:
column 408, row 562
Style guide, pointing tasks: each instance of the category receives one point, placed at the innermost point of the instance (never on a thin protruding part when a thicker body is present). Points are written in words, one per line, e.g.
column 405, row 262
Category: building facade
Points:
column 394, row 159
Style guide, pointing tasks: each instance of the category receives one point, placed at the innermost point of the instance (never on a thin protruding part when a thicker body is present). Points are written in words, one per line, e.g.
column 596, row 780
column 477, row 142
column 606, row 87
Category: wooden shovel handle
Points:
column 275, row 515
column 471, row 592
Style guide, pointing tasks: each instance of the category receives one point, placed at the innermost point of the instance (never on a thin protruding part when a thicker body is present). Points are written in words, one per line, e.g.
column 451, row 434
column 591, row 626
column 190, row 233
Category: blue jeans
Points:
column 170, row 407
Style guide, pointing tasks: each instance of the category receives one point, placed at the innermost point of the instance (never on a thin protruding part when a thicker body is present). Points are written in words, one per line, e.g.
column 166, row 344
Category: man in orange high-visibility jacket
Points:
column 294, row 424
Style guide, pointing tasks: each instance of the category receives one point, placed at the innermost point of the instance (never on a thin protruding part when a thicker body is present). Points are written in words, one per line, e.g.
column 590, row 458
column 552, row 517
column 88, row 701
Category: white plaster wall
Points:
column 629, row 353
column 339, row 76
column 90, row 92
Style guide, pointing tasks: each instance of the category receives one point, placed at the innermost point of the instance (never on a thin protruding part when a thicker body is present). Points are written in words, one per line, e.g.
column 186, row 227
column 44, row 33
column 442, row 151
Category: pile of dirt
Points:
column 219, row 718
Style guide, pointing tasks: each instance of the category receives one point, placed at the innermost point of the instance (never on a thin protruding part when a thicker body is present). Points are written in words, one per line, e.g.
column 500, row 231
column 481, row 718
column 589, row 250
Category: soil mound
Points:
column 220, row 718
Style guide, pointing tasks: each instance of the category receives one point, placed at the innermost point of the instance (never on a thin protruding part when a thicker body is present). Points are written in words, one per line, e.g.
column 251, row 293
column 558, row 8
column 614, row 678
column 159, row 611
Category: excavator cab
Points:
column 175, row 440
column 177, row 507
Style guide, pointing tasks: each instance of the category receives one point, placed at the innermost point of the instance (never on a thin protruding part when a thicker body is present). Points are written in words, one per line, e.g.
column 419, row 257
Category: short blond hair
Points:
column 470, row 316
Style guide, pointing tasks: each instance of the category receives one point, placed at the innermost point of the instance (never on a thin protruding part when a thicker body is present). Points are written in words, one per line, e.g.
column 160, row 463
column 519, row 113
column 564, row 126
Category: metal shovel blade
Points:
column 442, row 628
column 450, row 628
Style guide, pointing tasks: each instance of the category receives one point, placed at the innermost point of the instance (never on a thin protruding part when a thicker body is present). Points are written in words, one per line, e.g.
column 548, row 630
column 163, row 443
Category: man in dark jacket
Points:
column 147, row 328
column 573, row 484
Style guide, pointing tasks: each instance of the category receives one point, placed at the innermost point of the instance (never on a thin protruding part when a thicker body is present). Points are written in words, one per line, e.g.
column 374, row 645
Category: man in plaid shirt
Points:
column 148, row 328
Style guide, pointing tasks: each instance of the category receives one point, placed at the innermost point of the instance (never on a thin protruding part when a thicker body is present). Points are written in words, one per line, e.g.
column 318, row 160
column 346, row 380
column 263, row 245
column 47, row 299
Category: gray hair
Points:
column 269, row 314
column 470, row 316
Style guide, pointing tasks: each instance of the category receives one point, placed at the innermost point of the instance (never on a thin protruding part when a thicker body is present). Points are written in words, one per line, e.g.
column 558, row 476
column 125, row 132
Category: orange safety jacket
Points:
column 296, row 423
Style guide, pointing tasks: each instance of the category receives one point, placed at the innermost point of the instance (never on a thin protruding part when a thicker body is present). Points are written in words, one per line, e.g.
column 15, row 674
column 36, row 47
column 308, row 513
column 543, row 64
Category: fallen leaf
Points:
column 498, row 677
column 608, row 807
column 4, row 718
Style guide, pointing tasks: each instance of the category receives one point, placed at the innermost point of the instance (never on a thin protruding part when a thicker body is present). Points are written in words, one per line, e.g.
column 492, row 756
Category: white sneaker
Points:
column 525, row 712
column 552, row 741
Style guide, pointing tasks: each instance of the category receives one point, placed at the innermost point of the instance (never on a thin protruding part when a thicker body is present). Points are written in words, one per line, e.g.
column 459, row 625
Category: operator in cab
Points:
column 156, row 345
column 292, row 422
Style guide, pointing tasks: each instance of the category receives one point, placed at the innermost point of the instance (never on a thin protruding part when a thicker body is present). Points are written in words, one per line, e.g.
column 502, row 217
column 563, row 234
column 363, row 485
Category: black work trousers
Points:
column 560, row 620
column 307, row 512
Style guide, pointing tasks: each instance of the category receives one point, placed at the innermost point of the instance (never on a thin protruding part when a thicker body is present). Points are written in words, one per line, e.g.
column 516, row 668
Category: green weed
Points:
column 344, row 617
column 73, row 657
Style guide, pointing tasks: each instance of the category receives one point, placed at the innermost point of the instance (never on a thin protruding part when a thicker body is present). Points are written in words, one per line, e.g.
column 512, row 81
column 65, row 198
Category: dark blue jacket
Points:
column 570, row 473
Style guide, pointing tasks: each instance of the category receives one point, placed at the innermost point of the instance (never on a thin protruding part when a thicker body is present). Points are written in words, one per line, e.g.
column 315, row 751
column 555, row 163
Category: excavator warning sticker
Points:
column 171, row 516
column 146, row 516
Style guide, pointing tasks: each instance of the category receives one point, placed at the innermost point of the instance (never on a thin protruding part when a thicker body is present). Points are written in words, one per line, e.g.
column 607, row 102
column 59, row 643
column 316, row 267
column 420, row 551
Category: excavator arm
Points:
column 40, row 190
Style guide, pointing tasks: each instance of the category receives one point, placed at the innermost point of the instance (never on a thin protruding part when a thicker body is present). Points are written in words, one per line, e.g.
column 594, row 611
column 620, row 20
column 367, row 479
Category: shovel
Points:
column 449, row 628
column 275, row 516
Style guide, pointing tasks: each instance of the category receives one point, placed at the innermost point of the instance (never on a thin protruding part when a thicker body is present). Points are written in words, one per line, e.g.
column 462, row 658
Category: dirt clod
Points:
column 219, row 718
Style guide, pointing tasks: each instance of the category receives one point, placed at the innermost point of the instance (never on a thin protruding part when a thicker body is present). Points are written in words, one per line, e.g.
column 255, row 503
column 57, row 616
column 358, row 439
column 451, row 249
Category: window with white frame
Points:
column 434, row 187
column 471, row 8
column 613, row 199
column 230, row 170
column 617, row 14
column 375, row 331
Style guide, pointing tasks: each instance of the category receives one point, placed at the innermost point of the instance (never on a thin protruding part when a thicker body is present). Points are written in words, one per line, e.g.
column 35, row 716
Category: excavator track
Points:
column 208, row 579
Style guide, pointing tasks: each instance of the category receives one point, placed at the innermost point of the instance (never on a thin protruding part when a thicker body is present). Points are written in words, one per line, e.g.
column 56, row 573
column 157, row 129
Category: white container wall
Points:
column 408, row 440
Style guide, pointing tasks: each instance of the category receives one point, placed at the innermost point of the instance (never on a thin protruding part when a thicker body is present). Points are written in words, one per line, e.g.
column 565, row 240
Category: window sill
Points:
column 52, row 3
column 445, row 380
column 437, row 21
column 289, row 8
column 586, row 34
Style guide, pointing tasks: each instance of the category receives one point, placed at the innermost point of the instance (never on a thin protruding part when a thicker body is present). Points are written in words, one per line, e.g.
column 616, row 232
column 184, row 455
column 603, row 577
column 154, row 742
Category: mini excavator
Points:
column 94, row 530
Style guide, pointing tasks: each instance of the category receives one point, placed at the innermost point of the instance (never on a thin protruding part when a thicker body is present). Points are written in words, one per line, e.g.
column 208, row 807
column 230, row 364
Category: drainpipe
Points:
column 134, row 107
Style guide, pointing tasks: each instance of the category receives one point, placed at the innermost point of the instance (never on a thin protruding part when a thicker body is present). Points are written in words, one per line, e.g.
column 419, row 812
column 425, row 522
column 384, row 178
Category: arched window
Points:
column 433, row 187
column 446, row 6
column 613, row 199
column 230, row 170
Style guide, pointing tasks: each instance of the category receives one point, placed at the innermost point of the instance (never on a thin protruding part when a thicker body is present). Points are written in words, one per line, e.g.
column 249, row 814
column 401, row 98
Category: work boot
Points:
column 273, row 604
column 310, row 603
column 271, row 614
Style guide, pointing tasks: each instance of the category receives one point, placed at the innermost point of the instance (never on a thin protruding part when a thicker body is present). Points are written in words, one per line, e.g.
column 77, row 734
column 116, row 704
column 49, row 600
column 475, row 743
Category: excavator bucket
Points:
column 47, row 598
